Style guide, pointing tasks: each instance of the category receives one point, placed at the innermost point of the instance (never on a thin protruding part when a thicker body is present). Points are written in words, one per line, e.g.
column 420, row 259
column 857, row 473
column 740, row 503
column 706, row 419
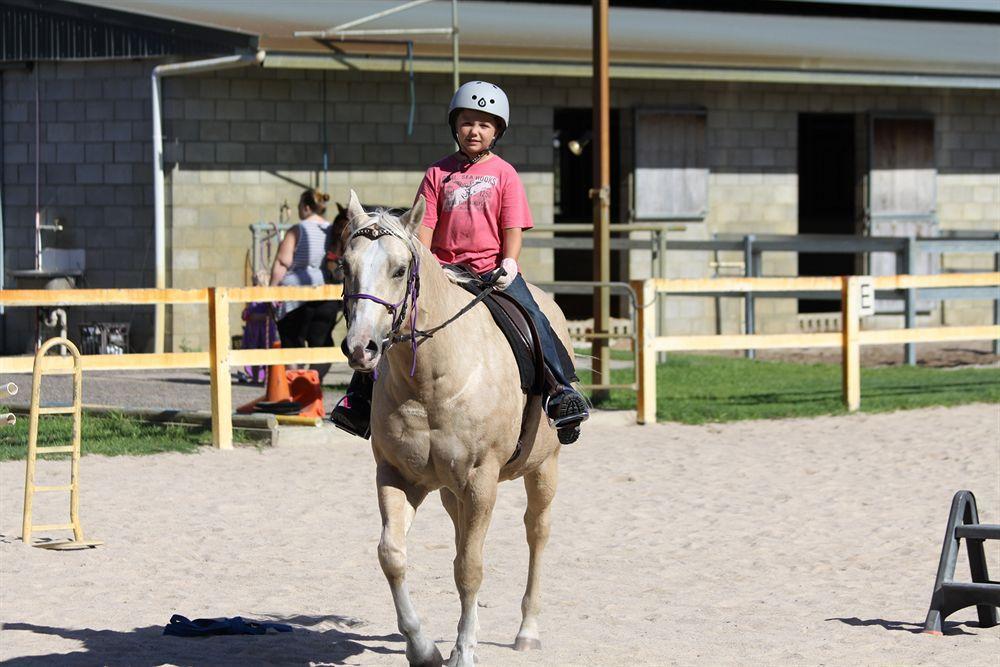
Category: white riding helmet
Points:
column 480, row 96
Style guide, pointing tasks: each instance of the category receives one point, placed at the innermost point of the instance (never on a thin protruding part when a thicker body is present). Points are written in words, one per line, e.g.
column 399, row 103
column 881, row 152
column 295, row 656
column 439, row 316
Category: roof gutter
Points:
column 648, row 71
column 159, row 206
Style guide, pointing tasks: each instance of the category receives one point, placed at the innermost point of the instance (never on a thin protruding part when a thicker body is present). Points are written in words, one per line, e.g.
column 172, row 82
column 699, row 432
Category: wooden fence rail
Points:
column 850, row 339
column 220, row 356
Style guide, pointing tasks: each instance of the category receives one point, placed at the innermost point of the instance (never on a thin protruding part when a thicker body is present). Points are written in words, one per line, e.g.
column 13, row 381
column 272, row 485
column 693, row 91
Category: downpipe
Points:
column 159, row 205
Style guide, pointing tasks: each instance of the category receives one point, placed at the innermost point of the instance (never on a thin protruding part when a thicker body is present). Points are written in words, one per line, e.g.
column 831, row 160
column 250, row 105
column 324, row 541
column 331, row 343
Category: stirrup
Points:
column 344, row 418
column 571, row 410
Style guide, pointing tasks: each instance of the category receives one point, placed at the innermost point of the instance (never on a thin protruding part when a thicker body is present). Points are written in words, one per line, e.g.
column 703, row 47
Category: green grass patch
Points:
column 110, row 435
column 696, row 389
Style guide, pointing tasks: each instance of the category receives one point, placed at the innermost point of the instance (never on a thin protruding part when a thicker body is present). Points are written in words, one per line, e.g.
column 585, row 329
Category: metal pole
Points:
column 38, row 147
column 601, row 196
column 454, row 45
column 661, row 298
column 748, row 271
column 336, row 30
column 909, row 258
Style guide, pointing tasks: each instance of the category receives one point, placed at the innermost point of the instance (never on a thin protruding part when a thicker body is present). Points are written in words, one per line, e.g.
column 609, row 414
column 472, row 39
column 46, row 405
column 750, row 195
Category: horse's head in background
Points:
column 381, row 269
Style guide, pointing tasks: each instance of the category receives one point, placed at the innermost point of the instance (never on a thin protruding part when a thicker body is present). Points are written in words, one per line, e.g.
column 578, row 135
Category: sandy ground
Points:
column 773, row 542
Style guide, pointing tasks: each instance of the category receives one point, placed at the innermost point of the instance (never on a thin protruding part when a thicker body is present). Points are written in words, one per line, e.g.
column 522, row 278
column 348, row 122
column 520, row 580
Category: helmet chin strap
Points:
column 474, row 160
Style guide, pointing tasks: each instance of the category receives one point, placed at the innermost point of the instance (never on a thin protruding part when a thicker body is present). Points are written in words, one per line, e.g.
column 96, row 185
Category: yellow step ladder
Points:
column 30, row 488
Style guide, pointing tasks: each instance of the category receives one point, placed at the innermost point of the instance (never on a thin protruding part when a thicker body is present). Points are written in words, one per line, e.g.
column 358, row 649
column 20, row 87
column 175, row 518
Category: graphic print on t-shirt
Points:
column 468, row 190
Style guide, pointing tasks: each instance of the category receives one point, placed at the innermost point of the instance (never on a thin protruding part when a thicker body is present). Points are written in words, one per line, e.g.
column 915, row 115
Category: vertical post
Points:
column 601, row 196
column 850, row 346
column 909, row 262
column 74, row 492
column 996, row 301
column 29, row 468
column 749, row 272
column 661, row 299
column 645, row 361
column 159, row 217
column 218, row 352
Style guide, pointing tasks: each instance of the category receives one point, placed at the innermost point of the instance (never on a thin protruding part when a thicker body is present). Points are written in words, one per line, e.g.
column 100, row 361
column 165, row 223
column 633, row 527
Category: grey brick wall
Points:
column 240, row 143
column 95, row 174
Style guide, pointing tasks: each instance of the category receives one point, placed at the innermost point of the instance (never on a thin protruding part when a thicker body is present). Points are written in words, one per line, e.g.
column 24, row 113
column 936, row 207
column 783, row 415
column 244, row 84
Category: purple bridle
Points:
column 397, row 310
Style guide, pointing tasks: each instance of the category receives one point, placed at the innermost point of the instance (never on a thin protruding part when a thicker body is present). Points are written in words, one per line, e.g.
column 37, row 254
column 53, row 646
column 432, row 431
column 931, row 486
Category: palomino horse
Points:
column 447, row 416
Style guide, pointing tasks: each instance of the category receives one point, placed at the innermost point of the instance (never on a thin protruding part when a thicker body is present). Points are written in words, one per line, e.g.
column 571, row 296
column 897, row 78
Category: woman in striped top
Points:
column 300, row 261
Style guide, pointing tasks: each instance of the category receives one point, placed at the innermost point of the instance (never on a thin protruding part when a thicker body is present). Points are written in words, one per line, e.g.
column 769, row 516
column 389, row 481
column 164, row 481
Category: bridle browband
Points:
column 374, row 231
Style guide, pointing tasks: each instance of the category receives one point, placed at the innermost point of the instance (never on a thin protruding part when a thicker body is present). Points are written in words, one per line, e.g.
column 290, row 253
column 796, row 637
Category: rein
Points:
column 373, row 232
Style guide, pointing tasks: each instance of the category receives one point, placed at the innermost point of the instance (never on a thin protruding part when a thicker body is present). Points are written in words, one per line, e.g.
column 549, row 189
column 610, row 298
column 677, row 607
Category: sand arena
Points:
column 771, row 542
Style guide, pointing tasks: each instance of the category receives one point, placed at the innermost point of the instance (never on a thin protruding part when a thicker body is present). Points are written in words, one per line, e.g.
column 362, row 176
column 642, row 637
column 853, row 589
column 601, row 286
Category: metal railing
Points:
column 906, row 250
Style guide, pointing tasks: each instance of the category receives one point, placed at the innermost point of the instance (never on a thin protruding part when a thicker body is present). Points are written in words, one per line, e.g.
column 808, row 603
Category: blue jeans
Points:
column 518, row 289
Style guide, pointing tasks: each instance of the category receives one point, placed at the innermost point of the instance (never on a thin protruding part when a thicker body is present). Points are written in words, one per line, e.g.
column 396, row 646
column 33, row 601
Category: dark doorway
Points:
column 574, row 178
column 827, row 197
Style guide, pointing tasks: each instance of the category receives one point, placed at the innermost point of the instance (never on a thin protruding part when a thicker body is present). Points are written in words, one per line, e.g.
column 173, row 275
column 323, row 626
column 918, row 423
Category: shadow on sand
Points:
column 913, row 628
column 144, row 646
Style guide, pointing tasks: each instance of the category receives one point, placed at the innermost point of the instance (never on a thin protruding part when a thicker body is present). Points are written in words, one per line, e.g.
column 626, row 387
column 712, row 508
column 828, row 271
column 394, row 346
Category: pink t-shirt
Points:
column 468, row 209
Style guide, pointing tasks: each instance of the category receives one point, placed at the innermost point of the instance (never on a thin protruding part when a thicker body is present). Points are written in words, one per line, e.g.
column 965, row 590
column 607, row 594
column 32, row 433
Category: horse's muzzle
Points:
column 364, row 357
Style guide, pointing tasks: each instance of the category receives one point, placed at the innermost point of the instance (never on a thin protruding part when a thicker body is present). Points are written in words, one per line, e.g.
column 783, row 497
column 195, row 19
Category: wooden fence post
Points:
column 218, row 353
column 851, row 347
column 645, row 360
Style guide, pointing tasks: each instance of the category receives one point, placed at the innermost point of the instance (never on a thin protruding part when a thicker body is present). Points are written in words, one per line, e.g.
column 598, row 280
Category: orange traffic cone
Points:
column 307, row 392
column 277, row 387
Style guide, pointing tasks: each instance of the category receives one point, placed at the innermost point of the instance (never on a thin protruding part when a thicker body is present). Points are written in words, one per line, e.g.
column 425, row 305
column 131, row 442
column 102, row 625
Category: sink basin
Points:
column 45, row 279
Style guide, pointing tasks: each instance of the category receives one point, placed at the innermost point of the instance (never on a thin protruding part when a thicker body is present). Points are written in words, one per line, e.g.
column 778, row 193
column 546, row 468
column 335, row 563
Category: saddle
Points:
column 519, row 330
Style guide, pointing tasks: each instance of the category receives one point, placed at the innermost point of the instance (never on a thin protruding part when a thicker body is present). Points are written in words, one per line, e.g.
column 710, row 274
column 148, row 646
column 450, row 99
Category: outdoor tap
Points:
column 56, row 226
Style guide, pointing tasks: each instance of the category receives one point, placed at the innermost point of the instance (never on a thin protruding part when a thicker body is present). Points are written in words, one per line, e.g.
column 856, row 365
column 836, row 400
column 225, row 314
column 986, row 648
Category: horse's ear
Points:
column 412, row 218
column 355, row 211
column 340, row 209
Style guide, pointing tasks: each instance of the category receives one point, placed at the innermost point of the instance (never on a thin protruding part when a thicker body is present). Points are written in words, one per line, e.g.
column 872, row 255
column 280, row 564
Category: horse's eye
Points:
column 400, row 272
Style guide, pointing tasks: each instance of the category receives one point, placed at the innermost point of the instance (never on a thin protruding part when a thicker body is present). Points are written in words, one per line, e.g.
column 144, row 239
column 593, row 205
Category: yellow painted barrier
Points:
column 849, row 340
column 219, row 358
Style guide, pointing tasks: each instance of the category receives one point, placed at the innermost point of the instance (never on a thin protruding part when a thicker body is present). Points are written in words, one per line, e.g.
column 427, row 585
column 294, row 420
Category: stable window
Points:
column 671, row 165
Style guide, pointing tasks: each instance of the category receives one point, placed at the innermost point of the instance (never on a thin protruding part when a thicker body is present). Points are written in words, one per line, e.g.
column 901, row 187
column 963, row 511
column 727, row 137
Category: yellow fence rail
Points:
column 850, row 339
column 220, row 356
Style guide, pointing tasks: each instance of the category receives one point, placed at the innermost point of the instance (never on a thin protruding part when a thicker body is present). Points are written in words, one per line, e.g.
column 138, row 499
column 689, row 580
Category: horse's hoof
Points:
column 435, row 660
column 527, row 644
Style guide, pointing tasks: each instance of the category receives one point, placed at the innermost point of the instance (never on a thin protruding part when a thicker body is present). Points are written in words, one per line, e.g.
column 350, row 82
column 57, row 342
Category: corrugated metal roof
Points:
column 33, row 30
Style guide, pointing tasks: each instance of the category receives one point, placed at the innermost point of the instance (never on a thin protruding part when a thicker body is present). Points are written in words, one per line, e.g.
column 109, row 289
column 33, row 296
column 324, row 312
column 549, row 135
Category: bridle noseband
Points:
column 374, row 231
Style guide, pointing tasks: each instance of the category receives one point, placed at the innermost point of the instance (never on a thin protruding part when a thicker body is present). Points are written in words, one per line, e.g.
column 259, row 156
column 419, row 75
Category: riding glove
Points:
column 509, row 265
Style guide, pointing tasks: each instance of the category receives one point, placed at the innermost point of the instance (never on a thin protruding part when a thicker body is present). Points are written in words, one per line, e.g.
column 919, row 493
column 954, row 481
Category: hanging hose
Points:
column 413, row 89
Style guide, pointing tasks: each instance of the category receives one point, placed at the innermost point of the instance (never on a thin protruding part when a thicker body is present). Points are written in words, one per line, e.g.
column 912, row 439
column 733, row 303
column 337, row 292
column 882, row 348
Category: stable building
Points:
column 773, row 117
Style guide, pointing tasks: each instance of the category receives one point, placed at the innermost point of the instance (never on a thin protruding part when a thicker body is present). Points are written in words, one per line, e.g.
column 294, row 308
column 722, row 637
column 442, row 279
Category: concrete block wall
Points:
column 95, row 174
column 753, row 183
column 240, row 143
